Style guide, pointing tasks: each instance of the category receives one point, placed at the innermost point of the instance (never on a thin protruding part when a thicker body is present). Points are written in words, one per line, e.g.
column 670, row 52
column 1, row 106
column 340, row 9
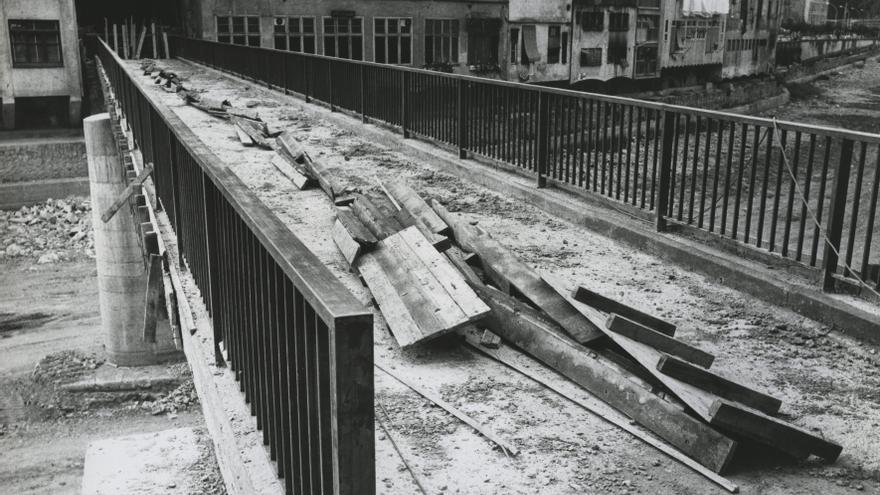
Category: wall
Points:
column 582, row 39
column 417, row 10
column 752, row 27
column 27, row 82
column 41, row 159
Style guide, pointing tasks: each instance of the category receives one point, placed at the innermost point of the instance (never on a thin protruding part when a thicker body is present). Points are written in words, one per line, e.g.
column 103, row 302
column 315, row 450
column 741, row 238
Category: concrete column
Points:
column 121, row 268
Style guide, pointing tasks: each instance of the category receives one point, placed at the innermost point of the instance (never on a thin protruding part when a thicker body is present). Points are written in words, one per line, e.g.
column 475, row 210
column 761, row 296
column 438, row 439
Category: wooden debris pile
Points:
column 294, row 163
column 430, row 274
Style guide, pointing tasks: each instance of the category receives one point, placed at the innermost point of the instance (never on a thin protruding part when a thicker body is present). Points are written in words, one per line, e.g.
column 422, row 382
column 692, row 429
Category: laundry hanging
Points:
column 705, row 8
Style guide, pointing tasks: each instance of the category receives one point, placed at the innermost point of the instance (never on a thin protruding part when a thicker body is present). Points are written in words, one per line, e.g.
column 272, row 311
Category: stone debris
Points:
column 52, row 231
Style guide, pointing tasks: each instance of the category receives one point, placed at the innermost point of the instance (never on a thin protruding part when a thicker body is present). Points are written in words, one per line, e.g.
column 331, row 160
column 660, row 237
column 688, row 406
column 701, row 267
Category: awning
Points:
column 705, row 8
column 530, row 42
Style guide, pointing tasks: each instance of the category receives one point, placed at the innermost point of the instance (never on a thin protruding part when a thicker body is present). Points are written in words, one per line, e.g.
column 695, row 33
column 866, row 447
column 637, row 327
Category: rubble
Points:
column 53, row 231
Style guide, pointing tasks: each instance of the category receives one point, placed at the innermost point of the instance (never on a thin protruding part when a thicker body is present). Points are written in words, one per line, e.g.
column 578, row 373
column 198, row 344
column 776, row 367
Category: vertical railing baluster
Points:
column 668, row 131
column 543, row 137
column 836, row 211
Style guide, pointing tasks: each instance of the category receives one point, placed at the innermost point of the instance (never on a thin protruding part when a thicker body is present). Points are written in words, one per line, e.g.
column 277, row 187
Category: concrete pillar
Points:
column 8, row 113
column 121, row 269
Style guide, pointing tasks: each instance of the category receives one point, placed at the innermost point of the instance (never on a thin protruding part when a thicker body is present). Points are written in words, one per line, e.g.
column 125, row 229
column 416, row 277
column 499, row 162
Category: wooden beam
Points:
column 508, row 272
column 657, row 340
column 243, row 136
column 490, row 340
column 602, row 303
column 527, row 329
column 506, row 447
column 331, row 186
column 255, row 135
column 349, row 247
column 409, row 200
column 356, row 229
column 567, row 389
column 378, row 223
column 440, row 242
column 130, row 189
column 759, row 427
column 299, row 180
column 140, row 44
column 718, row 385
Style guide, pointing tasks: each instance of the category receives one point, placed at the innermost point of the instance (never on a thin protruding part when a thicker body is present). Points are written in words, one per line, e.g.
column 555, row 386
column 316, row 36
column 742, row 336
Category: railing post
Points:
column 543, row 137
column 330, row 84
column 211, row 241
column 662, row 205
column 305, row 73
column 404, row 97
column 462, row 121
column 363, row 93
column 284, row 83
column 835, row 215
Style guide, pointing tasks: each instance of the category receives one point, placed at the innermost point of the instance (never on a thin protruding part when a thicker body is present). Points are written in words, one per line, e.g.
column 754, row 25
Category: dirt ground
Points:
column 827, row 381
column 849, row 98
column 50, row 335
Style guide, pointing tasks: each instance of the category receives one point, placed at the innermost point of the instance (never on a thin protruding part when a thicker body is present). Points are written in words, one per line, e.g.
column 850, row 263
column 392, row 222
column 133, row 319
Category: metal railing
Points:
column 751, row 181
column 297, row 340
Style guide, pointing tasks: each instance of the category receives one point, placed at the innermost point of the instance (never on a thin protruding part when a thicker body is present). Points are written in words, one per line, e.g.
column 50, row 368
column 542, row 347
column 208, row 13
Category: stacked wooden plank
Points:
column 625, row 357
column 421, row 295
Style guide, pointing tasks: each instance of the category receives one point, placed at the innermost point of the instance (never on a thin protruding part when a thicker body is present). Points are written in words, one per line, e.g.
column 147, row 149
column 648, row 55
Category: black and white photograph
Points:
column 439, row 247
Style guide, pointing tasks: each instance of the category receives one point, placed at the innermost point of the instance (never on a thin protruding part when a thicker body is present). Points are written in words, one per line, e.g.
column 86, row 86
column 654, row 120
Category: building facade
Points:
column 561, row 42
column 40, row 76
column 465, row 37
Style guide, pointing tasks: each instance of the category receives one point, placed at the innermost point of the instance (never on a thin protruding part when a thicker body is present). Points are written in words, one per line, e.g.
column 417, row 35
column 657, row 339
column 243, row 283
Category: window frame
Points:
column 386, row 35
column 594, row 27
column 37, row 62
column 452, row 40
column 613, row 27
column 592, row 53
column 246, row 33
column 301, row 35
column 348, row 35
column 559, row 55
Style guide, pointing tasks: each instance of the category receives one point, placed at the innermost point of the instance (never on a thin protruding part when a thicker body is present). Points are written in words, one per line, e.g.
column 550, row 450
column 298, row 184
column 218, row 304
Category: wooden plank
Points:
column 759, row 427
column 506, row 270
column 448, row 277
column 410, row 201
column 291, row 146
column 130, row 189
column 567, row 389
column 252, row 132
column 356, row 229
column 415, row 277
column 298, row 179
column 349, row 247
column 528, row 330
column 153, row 297
column 718, row 385
column 326, row 180
column 608, row 305
column 394, row 310
column 379, row 224
column 659, row 341
column 440, row 242
column 245, row 139
column 506, row 447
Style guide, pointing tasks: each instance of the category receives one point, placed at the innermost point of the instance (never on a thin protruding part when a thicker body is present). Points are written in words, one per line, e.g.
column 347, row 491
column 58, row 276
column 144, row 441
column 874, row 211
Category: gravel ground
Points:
column 826, row 381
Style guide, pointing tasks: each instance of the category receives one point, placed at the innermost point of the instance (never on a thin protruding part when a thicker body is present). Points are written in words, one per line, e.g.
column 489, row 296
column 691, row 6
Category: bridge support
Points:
column 121, row 269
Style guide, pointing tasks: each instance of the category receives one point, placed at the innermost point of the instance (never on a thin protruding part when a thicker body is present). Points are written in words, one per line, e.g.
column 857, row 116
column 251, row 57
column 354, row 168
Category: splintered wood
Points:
column 419, row 293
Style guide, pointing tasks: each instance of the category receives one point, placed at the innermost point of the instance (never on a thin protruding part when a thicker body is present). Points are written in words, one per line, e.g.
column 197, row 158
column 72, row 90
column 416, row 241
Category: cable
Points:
column 813, row 215
column 397, row 449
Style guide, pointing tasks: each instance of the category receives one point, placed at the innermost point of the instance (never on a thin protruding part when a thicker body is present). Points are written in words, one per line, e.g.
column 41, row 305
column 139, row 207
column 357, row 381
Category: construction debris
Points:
column 340, row 195
column 52, row 231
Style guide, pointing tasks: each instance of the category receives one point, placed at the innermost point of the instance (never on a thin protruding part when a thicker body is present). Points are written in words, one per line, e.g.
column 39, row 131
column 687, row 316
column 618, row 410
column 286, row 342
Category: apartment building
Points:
column 40, row 77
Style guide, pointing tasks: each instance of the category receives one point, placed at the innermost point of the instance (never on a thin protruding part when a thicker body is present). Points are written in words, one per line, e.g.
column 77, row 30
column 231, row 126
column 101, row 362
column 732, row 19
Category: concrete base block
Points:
column 8, row 113
column 159, row 462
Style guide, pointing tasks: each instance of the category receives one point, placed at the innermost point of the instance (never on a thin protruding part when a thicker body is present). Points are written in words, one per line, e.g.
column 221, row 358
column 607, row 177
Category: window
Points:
column 617, row 48
column 239, row 30
column 35, row 43
column 514, row 44
column 618, row 22
column 646, row 60
column 557, row 45
column 344, row 37
column 296, row 34
column 647, row 28
column 591, row 57
column 393, row 40
column 483, row 37
column 592, row 21
column 441, row 41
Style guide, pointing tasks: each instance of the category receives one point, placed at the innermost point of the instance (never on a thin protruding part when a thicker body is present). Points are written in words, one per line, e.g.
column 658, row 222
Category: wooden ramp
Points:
column 421, row 295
